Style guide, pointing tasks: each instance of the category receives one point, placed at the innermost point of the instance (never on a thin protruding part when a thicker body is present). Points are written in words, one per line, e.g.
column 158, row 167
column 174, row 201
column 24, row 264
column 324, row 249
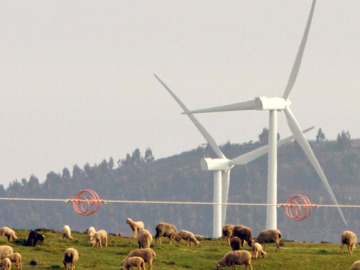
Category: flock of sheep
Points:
column 235, row 236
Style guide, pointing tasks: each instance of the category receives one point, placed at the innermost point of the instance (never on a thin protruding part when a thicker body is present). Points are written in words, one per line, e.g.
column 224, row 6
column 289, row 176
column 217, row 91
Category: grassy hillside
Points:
column 177, row 256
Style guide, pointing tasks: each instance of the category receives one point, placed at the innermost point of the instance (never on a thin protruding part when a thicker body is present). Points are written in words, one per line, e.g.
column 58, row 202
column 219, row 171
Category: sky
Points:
column 77, row 84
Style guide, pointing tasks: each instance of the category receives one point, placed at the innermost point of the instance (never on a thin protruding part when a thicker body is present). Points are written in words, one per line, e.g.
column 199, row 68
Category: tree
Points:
column 320, row 137
column 136, row 157
column 264, row 137
column 149, row 156
column 344, row 140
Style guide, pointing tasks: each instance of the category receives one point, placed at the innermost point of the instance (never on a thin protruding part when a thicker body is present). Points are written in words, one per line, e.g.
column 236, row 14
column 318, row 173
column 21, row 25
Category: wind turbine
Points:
column 221, row 166
column 273, row 105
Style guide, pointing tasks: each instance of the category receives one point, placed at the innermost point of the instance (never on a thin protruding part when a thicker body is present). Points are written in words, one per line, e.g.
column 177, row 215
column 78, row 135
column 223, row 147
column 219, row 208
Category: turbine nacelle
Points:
column 275, row 103
column 215, row 164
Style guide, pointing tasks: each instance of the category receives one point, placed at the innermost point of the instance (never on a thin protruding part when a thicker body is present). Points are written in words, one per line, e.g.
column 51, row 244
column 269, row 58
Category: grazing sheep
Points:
column 5, row 264
column 135, row 226
column 269, row 236
column 131, row 262
column 34, row 237
column 71, row 256
column 189, row 237
column 244, row 233
column 99, row 238
column 9, row 233
column 355, row 266
column 257, row 251
column 5, row 251
column 235, row 258
column 16, row 258
column 235, row 243
column 227, row 232
column 146, row 253
column 91, row 231
column 144, row 238
column 66, row 231
column 166, row 230
column 348, row 238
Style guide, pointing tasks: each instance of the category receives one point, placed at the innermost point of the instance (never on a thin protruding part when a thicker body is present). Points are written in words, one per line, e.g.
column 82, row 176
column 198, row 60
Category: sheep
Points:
column 269, row 236
column 233, row 258
column 91, row 231
column 5, row 264
column 66, row 231
column 9, row 233
column 189, row 237
column 244, row 233
column 146, row 253
column 235, row 243
column 5, row 251
column 135, row 226
column 144, row 238
column 355, row 266
column 257, row 251
column 34, row 237
column 135, row 261
column 165, row 229
column 16, row 258
column 227, row 232
column 71, row 256
column 99, row 238
column 348, row 238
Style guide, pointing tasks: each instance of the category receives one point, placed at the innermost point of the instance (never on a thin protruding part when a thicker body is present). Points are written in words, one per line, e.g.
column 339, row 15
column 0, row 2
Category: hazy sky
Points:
column 77, row 84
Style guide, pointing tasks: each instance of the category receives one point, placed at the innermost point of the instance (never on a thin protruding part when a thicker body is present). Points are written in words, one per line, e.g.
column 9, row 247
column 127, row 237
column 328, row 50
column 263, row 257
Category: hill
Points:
column 179, row 178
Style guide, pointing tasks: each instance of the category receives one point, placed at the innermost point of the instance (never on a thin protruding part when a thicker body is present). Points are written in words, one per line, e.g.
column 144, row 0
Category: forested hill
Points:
column 179, row 178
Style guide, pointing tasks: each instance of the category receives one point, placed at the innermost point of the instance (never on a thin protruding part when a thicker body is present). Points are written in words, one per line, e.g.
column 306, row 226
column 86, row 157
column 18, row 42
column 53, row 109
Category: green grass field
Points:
column 292, row 256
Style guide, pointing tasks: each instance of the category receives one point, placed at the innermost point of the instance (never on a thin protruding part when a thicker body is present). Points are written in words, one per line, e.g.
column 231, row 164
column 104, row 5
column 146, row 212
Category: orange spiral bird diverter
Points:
column 86, row 204
column 298, row 207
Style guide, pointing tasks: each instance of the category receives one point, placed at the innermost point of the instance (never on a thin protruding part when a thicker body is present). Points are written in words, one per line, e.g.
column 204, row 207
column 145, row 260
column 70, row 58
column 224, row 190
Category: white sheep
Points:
column 66, row 232
column 99, row 238
column 144, row 238
column 348, row 238
column 9, row 233
column 16, row 258
column 91, row 230
column 5, row 264
column 131, row 262
column 189, row 237
column 355, row 266
column 165, row 229
column 135, row 226
column 269, row 236
column 257, row 251
column 233, row 258
column 5, row 251
column 71, row 256
column 227, row 232
column 146, row 253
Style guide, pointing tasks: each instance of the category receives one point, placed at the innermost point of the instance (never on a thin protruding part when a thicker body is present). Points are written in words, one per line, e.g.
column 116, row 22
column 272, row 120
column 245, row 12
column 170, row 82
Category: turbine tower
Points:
column 273, row 105
column 221, row 166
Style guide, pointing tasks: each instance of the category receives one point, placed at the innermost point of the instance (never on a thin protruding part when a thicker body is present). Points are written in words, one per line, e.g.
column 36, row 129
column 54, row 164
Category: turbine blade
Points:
column 225, row 194
column 250, row 156
column 296, row 66
column 296, row 130
column 202, row 130
column 247, row 105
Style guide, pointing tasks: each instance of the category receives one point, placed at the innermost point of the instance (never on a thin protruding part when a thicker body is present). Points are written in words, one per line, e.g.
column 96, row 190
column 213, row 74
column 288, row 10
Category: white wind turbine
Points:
column 221, row 166
column 273, row 105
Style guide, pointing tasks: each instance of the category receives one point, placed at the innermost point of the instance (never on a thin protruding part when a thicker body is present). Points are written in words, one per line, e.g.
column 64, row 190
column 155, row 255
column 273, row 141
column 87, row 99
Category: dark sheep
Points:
column 34, row 237
column 244, row 233
column 235, row 243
